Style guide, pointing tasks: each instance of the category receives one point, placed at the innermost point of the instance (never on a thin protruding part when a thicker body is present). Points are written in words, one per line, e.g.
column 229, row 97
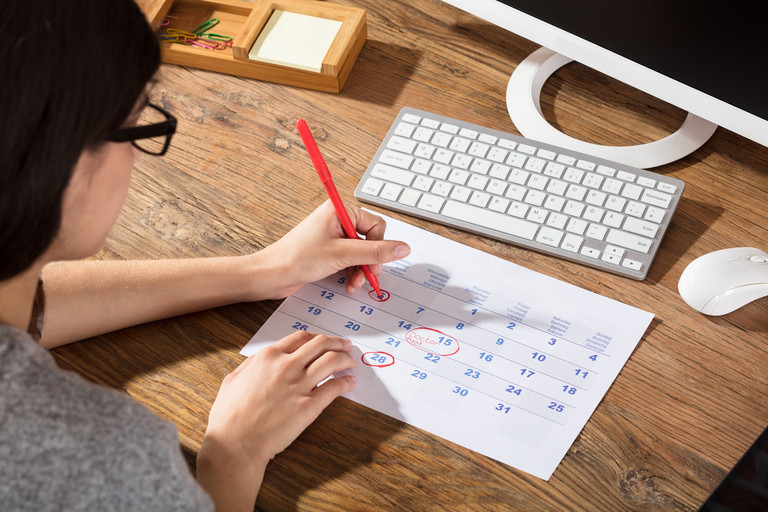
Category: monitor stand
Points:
column 523, row 103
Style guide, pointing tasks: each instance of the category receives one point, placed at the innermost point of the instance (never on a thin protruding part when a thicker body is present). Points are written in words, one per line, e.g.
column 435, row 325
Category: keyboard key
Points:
column 479, row 199
column 498, row 204
column 459, row 144
column 641, row 227
column 411, row 118
column 577, row 226
column 632, row 191
column 487, row 138
column 393, row 174
column 656, row 198
column 402, row 144
column 611, row 258
column 423, row 183
column 443, row 156
column 490, row 219
column 441, row 139
column 440, row 171
column 424, row 151
column 632, row 264
column 391, row 191
column 626, row 176
column 549, row 236
column 478, row 149
column 372, row 186
column 409, row 197
column 605, row 170
column 405, row 129
column 654, row 214
column 507, row 144
column 629, row 241
column 518, row 209
column 422, row 134
column 441, row 188
column 667, row 188
column 537, row 215
column 546, row 154
column 396, row 159
column 571, row 242
column 480, row 166
column 459, row 177
column 421, row 166
column 431, row 203
column 573, row 208
column 527, row 149
column 450, row 128
column 497, row 154
column 516, row 159
column 461, row 193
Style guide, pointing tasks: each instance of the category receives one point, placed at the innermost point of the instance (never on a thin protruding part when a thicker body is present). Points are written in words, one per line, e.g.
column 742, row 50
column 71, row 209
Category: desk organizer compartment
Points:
column 244, row 21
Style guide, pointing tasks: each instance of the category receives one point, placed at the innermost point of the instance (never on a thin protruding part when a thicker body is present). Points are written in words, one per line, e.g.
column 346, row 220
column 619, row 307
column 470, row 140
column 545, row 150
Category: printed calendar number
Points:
column 458, row 390
column 392, row 342
column 556, row 407
column 378, row 359
column 472, row 373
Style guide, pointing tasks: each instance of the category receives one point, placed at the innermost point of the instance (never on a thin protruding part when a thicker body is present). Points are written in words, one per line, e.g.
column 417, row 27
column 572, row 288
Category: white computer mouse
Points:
column 723, row 281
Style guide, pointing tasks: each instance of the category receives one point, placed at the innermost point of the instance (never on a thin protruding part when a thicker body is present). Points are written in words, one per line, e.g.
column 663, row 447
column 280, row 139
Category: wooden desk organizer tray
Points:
column 244, row 22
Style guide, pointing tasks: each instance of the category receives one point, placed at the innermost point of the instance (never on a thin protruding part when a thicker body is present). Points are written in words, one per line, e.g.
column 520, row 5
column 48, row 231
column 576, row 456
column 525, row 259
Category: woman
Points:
column 73, row 89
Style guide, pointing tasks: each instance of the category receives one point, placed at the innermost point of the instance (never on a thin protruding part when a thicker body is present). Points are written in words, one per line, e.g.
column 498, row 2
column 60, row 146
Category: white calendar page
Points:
column 472, row 348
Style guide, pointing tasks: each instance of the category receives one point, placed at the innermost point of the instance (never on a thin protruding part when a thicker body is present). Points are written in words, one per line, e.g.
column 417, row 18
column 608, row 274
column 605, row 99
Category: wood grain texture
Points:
column 688, row 403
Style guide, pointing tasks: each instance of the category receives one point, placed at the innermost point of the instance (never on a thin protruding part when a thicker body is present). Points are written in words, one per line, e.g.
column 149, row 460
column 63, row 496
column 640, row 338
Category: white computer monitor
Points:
column 709, row 60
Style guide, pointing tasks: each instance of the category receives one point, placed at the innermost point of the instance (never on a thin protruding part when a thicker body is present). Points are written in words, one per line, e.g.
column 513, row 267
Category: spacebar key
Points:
column 490, row 219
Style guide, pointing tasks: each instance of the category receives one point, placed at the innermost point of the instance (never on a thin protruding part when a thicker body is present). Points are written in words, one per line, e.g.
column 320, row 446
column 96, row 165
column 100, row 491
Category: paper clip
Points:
column 216, row 37
column 212, row 45
column 178, row 36
column 205, row 26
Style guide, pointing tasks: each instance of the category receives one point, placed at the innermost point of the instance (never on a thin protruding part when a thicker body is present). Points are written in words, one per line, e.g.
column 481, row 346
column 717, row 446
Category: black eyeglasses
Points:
column 154, row 133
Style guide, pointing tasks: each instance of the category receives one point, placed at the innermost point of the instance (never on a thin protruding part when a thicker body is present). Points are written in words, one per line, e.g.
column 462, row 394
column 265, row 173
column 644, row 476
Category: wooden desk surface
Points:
column 688, row 403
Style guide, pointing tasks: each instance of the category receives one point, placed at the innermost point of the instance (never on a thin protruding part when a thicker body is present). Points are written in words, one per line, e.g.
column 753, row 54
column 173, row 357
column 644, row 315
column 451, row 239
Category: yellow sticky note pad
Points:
column 295, row 40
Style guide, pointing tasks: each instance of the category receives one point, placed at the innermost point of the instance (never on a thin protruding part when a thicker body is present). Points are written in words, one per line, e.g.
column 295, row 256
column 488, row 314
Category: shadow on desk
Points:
column 382, row 75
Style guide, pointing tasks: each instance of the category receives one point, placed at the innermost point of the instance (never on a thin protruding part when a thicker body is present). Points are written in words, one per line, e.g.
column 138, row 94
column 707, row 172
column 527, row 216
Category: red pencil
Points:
column 325, row 176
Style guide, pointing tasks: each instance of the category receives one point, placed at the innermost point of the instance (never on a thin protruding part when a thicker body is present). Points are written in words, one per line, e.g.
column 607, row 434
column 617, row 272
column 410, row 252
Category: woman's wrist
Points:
column 231, row 476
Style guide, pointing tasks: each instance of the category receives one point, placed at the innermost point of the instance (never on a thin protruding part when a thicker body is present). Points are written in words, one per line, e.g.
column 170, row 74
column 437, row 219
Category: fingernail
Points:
column 402, row 250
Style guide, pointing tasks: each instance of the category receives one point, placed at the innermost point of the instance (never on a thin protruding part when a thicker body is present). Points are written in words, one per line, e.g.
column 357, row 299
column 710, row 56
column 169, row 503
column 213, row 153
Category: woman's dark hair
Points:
column 70, row 74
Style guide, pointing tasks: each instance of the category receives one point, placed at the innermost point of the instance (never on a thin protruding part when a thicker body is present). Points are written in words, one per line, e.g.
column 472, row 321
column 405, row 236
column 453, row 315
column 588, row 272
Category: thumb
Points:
column 371, row 252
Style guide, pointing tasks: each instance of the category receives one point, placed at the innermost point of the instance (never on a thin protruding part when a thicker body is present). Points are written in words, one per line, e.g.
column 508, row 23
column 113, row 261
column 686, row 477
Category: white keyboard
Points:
column 557, row 201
